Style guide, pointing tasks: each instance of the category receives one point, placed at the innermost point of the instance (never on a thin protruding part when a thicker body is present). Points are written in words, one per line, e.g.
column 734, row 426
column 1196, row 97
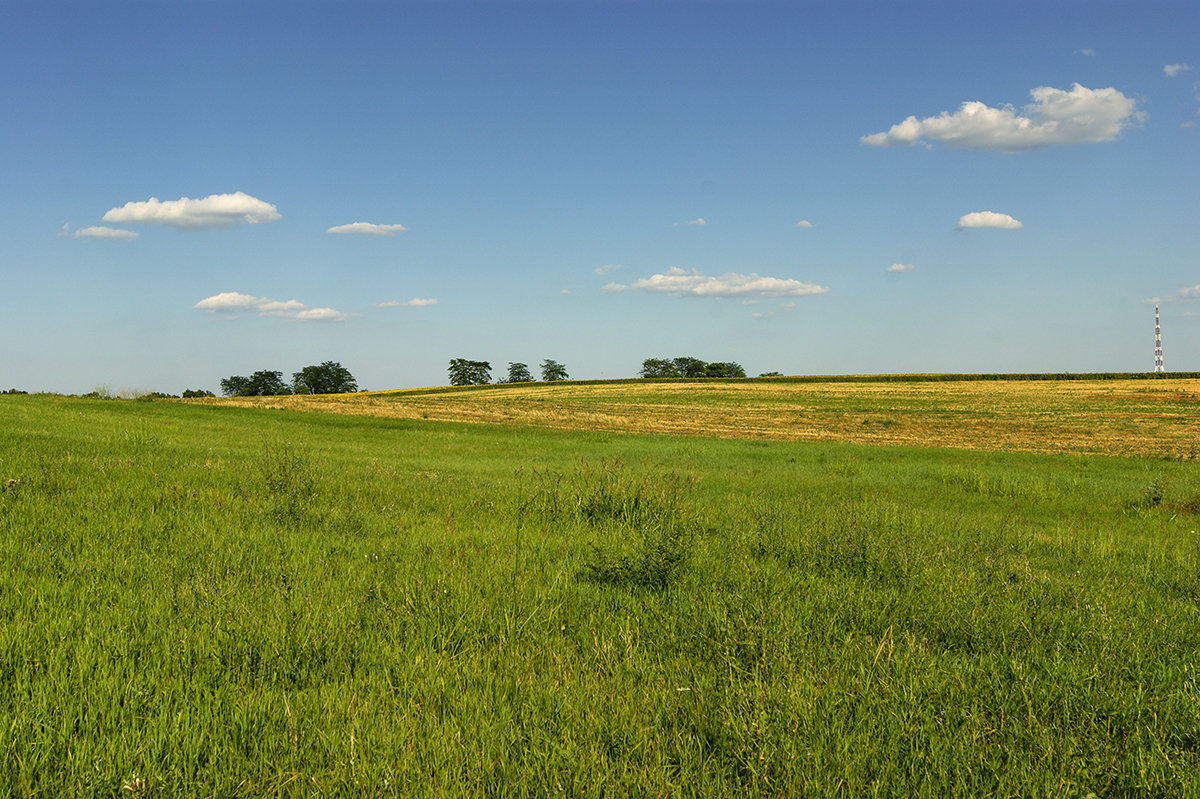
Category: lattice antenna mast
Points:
column 1158, row 361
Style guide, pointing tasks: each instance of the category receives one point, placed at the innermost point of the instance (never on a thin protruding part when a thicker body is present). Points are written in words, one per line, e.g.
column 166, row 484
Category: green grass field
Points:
column 201, row 600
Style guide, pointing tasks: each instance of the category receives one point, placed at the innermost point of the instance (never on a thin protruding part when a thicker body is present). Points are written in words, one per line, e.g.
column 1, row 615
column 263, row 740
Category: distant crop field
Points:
column 1122, row 416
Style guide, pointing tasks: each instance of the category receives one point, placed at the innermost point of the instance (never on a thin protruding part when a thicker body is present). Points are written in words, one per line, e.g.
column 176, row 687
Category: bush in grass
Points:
column 651, row 532
column 1152, row 495
column 657, row 558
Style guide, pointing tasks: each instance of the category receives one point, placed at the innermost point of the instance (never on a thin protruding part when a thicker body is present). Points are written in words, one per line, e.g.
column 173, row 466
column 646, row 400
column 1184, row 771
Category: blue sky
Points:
column 193, row 190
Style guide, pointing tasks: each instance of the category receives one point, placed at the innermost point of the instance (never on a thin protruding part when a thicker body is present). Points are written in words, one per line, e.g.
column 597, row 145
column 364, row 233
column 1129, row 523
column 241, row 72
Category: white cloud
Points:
column 286, row 308
column 228, row 301
column 988, row 219
column 804, row 223
column 368, row 229
column 1054, row 117
column 99, row 233
column 1174, row 69
column 606, row 268
column 320, row 315
column 233, row 302
column 682, row 283
column 413, row 303
column 899, row 269
column 1085, row 51
column 1189, row 294
column 214, row 211
column 698, row 222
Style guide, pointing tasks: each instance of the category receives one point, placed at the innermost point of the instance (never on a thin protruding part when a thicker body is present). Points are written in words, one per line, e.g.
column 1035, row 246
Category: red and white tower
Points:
column 1158, row 362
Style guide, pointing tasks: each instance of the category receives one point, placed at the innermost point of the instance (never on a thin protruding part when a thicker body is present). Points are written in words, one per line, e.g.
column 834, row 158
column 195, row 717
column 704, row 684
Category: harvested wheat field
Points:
column 1124, row 416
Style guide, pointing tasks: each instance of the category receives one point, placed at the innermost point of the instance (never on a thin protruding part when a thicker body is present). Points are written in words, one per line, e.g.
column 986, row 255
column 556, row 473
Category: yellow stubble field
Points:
column 1141, row 417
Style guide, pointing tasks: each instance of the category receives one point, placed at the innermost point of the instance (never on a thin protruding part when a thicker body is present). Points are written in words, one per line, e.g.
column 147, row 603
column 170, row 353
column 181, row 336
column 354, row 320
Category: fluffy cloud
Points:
column 413, row 303
column 98, row 233
column 228, row 301
column 368, row 229
column 683, row 283
column 232, row 302
column 804, row 223
column 698, row 222
column 606, row 268
column 899, row 269
column 1054, row 117
column 1189, row 294
column 320, row 315
column 214, row 211
column 988, row 219
column 1174, row 69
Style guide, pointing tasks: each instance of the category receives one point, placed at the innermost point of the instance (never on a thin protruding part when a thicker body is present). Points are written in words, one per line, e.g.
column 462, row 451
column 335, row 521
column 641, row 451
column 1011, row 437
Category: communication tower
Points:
column 1158, row 361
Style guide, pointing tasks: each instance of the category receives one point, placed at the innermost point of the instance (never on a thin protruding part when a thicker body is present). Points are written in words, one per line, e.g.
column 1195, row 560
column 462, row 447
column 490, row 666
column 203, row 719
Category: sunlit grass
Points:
column 223, row 601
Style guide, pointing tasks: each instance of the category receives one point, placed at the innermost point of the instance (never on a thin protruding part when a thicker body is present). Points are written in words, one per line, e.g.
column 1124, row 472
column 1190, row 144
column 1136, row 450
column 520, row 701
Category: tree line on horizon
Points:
column 467, row 372
column 326, row 378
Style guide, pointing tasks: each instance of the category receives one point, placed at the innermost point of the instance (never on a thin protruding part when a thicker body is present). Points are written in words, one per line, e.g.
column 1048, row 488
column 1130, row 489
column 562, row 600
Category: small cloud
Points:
column 367, row 229
column 233, row 302
column 566, row 291
column 899, row 269
column 606, row 268
column 762, row 314
column 988, row 219
column 1086, row 51
column 214, row 211
column 228, row 301
column 1189, row 294
column 1172, row 70
column 698, row 222
column 98, row 233
column 320, row 315
column 1056, row 116
column 681, row 283
column 287, row 308
column 804, row 223
column 413, row 303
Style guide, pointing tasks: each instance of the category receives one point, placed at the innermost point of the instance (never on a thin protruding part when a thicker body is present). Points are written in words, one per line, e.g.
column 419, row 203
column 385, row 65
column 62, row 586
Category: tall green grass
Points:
column 234, row 602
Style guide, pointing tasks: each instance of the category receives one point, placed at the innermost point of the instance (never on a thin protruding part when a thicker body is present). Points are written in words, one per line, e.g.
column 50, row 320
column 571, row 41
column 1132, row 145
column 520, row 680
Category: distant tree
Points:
column 327, row 378
column 469, row 373
column 771, row 374
column 553, row 370
column 263, row 383
column 191, row 393
column 719, row 369
column 518, row 373
column 658, row 367
column 690, row 367
column 235, row 386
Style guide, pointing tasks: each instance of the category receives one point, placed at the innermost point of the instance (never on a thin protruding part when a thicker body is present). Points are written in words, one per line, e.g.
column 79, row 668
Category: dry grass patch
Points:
column 1085, row 417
